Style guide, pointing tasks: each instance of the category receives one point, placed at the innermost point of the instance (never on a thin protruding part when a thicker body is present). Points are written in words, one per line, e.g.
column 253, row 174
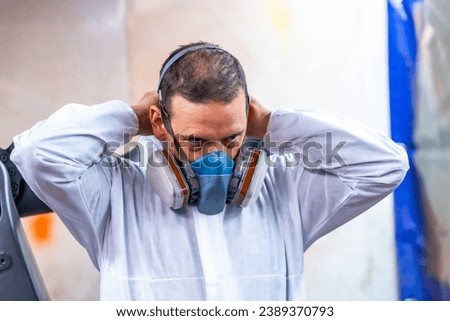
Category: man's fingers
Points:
column 149, row 99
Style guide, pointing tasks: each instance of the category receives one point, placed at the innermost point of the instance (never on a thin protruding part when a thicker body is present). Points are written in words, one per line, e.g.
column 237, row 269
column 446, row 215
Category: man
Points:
column 204, row 218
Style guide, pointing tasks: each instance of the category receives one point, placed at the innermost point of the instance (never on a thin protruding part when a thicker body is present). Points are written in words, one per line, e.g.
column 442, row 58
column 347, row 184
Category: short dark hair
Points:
column 203, row 75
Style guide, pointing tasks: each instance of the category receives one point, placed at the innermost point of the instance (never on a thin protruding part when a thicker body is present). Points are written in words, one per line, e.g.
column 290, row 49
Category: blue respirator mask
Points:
column 214, row 171
column 211, row 181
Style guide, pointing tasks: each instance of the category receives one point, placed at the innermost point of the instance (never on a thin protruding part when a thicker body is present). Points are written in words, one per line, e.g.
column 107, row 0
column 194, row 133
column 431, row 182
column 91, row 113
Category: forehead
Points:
column 211, row 120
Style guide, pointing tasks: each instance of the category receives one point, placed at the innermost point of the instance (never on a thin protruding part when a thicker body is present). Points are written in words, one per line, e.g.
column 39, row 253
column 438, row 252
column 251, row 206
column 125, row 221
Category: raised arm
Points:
column 61, row 159
column 342, row 166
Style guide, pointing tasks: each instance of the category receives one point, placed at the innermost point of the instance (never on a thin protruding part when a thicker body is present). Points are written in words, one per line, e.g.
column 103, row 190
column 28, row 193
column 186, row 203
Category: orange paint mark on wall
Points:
column 280, row 14
column 41, row 228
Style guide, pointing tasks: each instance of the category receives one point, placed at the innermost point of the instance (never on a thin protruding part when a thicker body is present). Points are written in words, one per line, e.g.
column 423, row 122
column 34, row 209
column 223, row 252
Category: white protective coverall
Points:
column 146, row 251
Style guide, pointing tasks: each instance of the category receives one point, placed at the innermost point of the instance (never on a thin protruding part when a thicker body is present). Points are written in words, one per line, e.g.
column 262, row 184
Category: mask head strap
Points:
column 176, row 57
column 190, row 175
column 166, row 68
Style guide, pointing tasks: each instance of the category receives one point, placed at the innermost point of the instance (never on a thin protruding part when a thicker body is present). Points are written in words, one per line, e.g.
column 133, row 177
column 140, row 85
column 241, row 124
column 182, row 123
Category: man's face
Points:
column 201, row 128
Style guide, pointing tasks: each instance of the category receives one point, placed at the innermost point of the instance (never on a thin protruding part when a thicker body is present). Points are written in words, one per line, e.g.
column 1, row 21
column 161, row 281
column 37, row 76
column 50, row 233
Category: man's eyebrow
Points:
column 198, row 138
column 236, row 133
column 190, row 137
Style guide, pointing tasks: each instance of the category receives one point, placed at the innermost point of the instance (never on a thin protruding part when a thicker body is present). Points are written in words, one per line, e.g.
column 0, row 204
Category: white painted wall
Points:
column 311, row 54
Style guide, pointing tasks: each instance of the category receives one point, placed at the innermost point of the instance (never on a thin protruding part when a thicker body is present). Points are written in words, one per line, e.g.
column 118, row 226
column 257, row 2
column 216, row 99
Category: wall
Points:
column 53, row 53
column 323, row 55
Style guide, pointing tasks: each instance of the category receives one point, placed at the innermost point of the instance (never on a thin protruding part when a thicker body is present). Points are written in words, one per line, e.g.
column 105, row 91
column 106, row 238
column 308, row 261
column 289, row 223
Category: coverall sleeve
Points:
column 62, row 160
column 344, row 167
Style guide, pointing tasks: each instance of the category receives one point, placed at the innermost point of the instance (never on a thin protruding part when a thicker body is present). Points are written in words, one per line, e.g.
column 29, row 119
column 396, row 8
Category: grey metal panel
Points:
column 19, row 276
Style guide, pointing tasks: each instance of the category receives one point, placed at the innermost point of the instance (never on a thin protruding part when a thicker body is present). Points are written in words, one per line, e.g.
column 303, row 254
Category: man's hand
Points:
column 142, row 110
column 258, row 119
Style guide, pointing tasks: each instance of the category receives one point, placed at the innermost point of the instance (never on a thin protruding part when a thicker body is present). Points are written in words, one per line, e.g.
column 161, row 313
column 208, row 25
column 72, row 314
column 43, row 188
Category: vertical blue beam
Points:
column 408, row 211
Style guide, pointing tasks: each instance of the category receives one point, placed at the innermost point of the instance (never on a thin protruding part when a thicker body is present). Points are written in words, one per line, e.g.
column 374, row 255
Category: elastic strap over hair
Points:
column 191, row 177
column 174, row 59
column 177, row 56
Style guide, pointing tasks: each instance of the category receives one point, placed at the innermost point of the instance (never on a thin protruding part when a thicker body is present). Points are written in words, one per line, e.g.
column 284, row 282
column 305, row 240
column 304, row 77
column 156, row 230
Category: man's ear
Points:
column 157, row 123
